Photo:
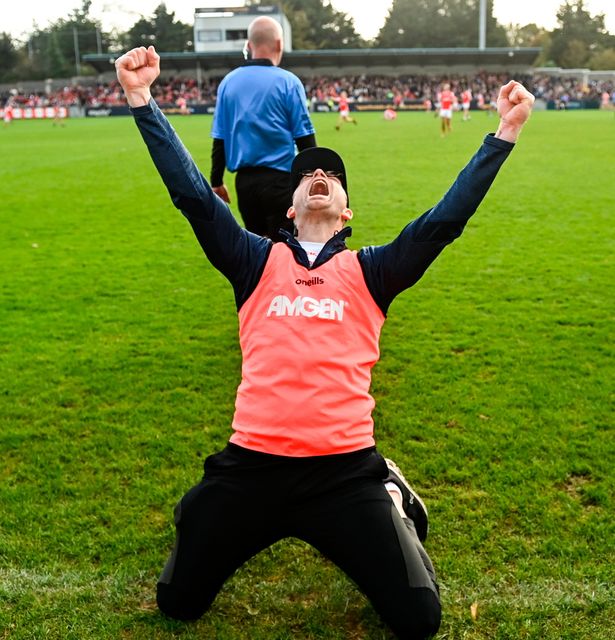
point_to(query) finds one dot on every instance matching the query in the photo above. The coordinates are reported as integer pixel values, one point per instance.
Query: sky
(368, 16)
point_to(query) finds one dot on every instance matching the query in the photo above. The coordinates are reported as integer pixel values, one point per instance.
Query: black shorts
(248, 500)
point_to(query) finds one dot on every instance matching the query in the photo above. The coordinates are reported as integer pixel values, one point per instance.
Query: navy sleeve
(390, 269)
(238, 254)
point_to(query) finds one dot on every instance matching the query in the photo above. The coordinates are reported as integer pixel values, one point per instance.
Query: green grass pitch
(119, 362)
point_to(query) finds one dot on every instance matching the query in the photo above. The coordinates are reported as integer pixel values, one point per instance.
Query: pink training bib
(309, 340)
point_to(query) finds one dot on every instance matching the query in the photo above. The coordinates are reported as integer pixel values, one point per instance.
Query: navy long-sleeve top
(240, 255)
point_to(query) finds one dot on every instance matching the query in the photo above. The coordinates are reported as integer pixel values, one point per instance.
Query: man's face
(320, 191)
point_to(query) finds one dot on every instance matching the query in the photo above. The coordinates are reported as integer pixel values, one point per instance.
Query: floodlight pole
(482, 24)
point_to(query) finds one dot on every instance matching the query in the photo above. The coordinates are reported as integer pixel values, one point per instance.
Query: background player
(466, 100)
(343, 108)
(447, 100)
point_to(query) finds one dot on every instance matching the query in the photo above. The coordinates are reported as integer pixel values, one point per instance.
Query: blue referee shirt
(260, 111)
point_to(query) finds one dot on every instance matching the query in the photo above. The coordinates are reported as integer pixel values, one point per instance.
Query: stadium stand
(397, 91)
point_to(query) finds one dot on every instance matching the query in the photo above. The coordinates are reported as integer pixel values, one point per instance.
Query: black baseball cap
(317, 158)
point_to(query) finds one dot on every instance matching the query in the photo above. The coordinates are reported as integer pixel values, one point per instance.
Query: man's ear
(347, 214)
(290, 214)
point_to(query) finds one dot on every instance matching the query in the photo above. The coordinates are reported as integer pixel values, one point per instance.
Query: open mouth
(319, 187)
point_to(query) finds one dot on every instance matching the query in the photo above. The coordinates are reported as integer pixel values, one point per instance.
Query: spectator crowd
(322, 89)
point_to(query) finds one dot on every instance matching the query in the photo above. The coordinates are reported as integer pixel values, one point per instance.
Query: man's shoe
(413, 506)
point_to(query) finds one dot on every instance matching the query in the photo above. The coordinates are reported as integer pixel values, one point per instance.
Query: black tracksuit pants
(248, 500)
(263, 197)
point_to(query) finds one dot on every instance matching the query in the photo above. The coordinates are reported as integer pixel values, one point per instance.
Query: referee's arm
(218, 163)
(306, 142)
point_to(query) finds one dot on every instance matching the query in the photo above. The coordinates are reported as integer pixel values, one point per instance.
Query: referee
(261, 113)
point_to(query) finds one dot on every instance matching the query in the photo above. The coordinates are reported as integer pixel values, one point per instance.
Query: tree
(530, 35)
(578, 35)
(8, 57)
(574, 55)
(317, 25)
(162, 30)
(56, 51)
(438, 23)
(406, 24)
(603, 60)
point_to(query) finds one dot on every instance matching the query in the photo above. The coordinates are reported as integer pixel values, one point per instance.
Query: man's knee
(178, 604)
(421, 618)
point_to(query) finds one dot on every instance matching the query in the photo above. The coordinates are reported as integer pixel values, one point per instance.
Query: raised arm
(391, 268)
(232, 250)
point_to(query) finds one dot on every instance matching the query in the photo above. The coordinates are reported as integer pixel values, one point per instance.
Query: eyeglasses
(309, 173)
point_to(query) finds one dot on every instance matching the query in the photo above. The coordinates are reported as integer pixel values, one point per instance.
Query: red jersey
(447, 99)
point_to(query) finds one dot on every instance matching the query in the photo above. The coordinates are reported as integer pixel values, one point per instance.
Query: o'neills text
(310, 282)
(307, 307)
